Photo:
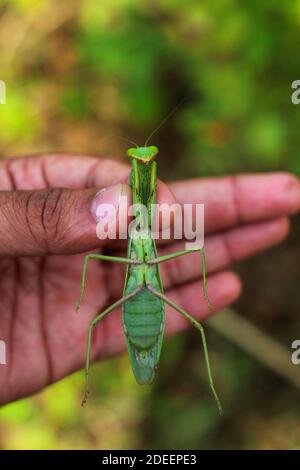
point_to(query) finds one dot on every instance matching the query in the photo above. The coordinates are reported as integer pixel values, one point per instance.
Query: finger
(56, 221)
(221, 251)
(61, 221)
(77, 171)
(61, 170)
(241, 199)
(69, 171)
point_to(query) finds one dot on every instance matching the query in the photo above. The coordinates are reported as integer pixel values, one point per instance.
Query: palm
(46, 339)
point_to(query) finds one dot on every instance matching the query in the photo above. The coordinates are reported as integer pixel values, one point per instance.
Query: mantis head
(143, 154)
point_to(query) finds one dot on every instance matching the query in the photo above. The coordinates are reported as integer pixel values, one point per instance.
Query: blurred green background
(80, 73)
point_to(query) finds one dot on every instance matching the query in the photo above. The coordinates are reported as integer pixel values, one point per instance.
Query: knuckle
(44, 216)
(236, 197)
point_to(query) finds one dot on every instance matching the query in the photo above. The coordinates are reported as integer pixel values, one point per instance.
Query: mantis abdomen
(144, 314)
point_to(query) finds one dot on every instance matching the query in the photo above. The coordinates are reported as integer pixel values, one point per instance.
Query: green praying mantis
(143, 302)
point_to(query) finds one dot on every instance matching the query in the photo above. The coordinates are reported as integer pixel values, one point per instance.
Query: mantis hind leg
(90, 334)
(202, 252)
(200, 328)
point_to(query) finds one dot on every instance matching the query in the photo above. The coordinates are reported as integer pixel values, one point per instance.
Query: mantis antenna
(127, 140)
(173, 111)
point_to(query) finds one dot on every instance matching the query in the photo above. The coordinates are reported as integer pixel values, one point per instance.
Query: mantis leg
(161, 259)
(114, 259)
(200, 328)
(90, 334)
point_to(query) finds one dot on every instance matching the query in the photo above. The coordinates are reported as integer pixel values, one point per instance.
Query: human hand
(44, 232)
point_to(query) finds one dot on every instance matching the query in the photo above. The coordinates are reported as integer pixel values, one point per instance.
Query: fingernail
(292, 193)
(106, 202)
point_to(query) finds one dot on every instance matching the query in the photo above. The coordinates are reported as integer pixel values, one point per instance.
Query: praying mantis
(143, 301)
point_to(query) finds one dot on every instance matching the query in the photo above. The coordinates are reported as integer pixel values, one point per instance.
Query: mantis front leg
(199, 327)
(114, 259)
(161, 259)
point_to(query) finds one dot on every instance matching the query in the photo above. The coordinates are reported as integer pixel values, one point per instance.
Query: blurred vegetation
(81, 73)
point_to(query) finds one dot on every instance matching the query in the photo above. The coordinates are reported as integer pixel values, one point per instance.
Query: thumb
(56, 221)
